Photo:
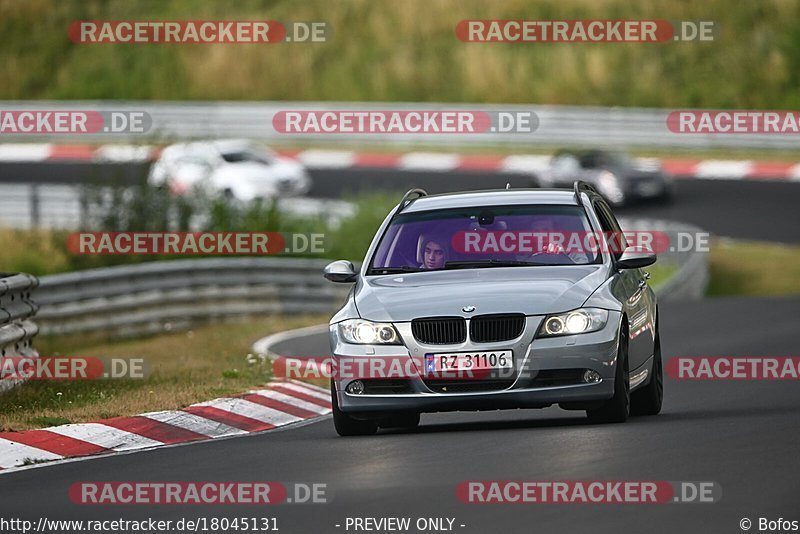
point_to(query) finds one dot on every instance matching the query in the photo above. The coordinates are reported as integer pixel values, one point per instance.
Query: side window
(611, 227)
(604, 222)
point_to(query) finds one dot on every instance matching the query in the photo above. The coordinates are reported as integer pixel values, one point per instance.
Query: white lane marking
(105, 436)
(428, 161)
(123, 153)
(25, 152)
(525, 164)
(311, 386)
(195, 423)
(720, 168)
(302, 389)
(331, 159)
(13, 454)
(294, 401)
(252, 410)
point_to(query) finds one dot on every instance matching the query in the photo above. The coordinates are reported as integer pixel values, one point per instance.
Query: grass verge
(754, 269)
(408, 51)
(184, 368)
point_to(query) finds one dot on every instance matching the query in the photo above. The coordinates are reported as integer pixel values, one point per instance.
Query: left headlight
(362, 332)
(578, 321)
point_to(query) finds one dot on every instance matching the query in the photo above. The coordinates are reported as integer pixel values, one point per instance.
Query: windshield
(484, 237)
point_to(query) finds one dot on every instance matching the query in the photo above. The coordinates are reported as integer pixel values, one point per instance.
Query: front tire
(617, 408)
(648, 400)
(346, 425)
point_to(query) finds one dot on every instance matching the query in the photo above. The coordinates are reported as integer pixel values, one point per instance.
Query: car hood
(528, 290)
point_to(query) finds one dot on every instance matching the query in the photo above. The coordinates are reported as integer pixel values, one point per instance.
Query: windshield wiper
(395, 270)
(487, 263)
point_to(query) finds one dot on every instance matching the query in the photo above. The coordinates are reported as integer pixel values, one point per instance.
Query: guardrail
(692, 276)
(558, 125)
(691, 280)
(173, 295)
(16, 310)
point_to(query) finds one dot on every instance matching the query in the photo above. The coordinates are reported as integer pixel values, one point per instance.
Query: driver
(546, 225)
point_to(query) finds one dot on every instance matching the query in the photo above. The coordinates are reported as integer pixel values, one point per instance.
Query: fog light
(591, 377)
(356, 387)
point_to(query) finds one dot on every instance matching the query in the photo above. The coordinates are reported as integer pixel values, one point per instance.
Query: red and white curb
(521, 163)
(411, 161)
(36, 152)
(279, 404)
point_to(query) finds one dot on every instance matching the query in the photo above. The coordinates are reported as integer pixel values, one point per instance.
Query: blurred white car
(240, 169)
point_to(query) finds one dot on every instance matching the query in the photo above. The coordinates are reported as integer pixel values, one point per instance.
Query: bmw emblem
(468, 309)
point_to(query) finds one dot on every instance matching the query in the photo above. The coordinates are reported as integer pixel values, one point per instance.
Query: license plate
(469, 361)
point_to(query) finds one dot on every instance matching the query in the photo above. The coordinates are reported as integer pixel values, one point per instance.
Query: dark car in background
(619, 178)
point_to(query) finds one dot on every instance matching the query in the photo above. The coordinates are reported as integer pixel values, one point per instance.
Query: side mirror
(635, 258)
(340, 271)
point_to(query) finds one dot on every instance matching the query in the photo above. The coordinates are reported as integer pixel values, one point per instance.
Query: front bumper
(525, 387)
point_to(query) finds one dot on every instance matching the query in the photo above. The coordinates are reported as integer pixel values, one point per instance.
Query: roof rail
(408, 200)
(580, 187)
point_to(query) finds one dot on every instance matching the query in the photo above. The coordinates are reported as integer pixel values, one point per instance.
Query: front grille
(439, 330)
(495, 328)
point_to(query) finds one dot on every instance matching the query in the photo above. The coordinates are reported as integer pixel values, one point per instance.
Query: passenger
(434, 255)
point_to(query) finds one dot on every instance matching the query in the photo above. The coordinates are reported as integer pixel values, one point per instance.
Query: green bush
(143, 209)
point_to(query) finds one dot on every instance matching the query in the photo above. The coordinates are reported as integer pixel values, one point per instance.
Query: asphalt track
(743, 435)
(746, 209)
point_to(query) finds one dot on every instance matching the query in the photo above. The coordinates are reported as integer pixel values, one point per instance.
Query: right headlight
(363, 332)
(578, 321)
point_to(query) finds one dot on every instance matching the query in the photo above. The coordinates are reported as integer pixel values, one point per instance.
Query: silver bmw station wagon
(486, 300)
